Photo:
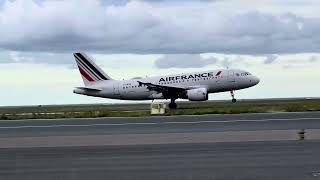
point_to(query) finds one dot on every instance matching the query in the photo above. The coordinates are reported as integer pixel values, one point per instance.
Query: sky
(278, 41)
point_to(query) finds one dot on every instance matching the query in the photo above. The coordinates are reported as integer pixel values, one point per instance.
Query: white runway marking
(155, 123)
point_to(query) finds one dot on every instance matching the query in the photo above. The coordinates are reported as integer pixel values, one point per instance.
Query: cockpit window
(245, 74)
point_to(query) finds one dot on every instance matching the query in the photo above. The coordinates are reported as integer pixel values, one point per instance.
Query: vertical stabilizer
(89, 71)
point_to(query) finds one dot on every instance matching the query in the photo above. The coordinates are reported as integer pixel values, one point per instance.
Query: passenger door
(116, 89)
(231, 79)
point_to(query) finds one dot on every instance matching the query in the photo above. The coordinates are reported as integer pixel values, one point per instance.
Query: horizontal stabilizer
(89, 89)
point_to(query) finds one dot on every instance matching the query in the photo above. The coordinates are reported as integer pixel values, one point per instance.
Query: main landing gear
(172, 104)
(232, 95)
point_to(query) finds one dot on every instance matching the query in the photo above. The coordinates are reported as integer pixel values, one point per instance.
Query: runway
(162, 124)
(244, 146)
(292, 160)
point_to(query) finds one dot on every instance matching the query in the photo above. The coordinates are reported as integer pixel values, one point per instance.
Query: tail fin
(89, 71)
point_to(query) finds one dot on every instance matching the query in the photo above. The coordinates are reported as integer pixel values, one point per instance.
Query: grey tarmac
(244, 146)
(285, 160)
(160, 124)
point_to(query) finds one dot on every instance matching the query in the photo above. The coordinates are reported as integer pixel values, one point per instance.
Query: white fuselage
(214, 82)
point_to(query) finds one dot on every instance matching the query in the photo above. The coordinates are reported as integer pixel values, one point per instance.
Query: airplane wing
(167, 91)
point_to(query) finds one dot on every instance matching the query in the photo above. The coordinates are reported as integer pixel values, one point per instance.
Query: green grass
(138, 110)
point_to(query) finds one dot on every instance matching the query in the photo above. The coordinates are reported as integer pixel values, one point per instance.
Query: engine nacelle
(199, 94)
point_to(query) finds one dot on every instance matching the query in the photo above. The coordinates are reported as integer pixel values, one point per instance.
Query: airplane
(191, 86)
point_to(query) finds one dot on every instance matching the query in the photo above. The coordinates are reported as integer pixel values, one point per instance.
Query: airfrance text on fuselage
(186, 77)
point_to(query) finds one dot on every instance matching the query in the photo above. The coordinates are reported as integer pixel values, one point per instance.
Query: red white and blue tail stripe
(89, 71)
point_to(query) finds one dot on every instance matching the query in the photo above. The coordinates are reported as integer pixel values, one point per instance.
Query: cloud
(149, 27)
(5, 57)
(270, 59)
(183, 61)
(198, 61)
(36, 58)
(313, 59)
(235, 62)
(310, 61)
(227, 63)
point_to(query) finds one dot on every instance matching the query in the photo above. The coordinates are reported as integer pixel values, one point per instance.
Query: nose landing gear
(232, 95)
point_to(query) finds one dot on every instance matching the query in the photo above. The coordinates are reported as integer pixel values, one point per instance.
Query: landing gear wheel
(232, 95)
(173, 105)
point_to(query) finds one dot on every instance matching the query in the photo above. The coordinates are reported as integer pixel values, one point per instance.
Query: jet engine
(199, 94)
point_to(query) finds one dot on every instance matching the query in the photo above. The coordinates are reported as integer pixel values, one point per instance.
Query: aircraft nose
(255, 80)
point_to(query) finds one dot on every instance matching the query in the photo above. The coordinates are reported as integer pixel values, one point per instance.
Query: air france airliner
(192, 86)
